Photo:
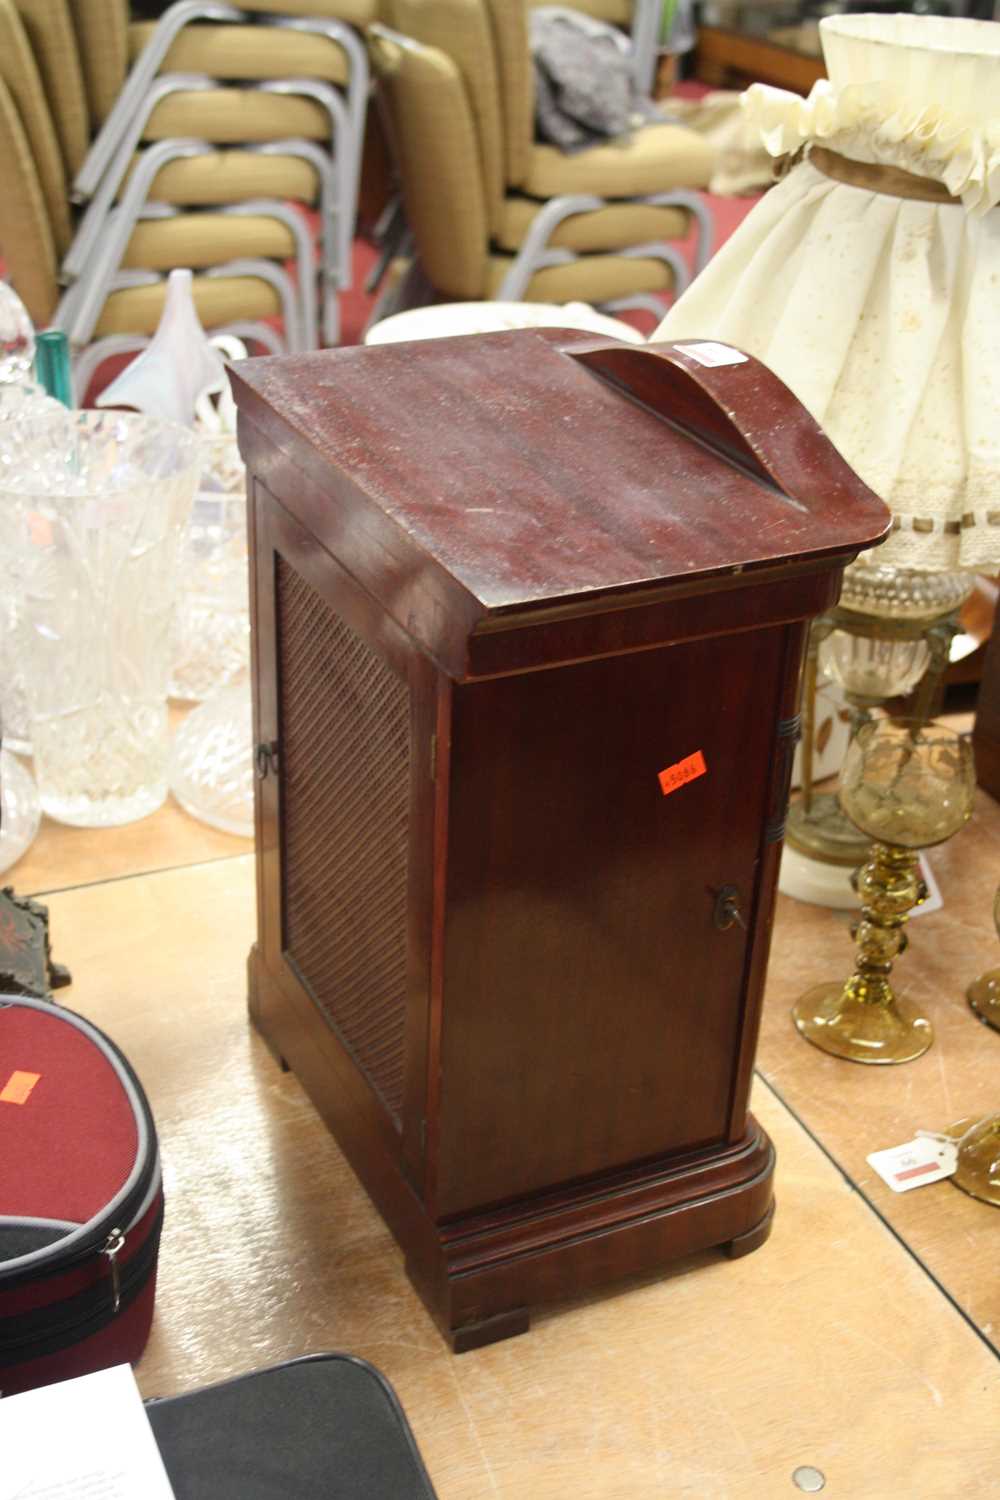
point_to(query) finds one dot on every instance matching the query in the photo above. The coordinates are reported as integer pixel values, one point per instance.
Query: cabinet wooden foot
(743, 1244)
(490, 1331)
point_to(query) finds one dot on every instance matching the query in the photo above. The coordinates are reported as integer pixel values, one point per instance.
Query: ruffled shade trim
(871, 122)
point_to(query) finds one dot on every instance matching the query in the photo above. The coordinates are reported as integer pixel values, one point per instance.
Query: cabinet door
(593, 1011)
(344, 829)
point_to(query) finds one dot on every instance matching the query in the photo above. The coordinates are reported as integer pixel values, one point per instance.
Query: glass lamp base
(860, 1031)
(983, 996)
(978, 1170)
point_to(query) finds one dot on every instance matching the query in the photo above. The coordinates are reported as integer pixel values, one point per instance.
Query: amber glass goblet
(907, 785)
(978, 1170)
(983, 993)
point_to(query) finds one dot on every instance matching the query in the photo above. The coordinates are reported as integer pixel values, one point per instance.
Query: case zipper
(40, 1340)
(113, 1246)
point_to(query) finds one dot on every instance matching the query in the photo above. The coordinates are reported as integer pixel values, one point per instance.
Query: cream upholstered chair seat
(243, 52)
(218, 302)
(206, 239)
(231, 177)
(649, 160)
(598, 279)
(232, 116)
(604, 229)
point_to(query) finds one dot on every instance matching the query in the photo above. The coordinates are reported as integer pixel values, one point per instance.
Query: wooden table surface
(839, 1345)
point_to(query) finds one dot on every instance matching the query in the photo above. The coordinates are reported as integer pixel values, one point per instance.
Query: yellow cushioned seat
(232, 177)
(246, 52)
(237, 116)
(592, 278)
(218, 300)
(655, 159)
(612, 228)
(200, 240)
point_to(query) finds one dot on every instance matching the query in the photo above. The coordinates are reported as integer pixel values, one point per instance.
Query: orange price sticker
(679, 774)
(18, 1087)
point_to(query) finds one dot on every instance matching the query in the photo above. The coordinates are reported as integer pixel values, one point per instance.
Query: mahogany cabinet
(529, 612)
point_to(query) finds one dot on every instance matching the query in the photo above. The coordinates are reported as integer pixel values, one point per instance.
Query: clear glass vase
(210, 642)
(96, 503)
(211, 763)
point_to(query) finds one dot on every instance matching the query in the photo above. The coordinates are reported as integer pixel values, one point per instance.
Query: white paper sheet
(83, 1439)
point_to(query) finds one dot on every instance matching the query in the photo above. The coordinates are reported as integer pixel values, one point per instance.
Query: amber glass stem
(890, 888)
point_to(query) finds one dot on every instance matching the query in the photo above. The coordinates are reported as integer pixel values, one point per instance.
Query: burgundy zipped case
(81, 1199)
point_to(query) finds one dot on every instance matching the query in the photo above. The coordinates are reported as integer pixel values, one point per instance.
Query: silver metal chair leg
(81, 307)
(101, 203)
(358, 83)
(646, 20)
(669, 255)
(140, 77)
(329, 210)
(266, 270)
(255, 333)
(304, 256)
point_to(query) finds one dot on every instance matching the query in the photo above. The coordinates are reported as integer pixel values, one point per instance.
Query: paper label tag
(17, 1089)
(713, 354)
(924, 1159)
(682, 772)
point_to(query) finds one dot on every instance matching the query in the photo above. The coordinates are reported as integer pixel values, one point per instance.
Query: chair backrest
(26, 241)
(461, 29)
(19, 71)
(435, 144)
(509, 19)
(53, 40)
(102, 33)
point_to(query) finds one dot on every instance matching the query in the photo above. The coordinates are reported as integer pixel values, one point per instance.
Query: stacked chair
(495, 215)
(196, 140)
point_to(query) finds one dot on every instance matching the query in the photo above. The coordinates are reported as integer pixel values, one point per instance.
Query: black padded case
(325, 1427)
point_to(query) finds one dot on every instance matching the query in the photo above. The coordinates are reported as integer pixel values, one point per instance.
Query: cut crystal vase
(95, 505)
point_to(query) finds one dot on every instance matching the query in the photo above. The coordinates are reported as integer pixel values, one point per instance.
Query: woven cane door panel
(345, 795)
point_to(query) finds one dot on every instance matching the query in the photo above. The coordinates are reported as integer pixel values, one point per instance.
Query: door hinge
(265, 758)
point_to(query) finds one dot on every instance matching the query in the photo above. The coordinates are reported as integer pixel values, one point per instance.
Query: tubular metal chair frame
(80, 308)
(96, 213)
(646, 15)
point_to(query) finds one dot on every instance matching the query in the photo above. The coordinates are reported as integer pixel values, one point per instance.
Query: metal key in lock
(727, 909)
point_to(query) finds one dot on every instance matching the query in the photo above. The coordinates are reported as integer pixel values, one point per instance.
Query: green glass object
(908, 785)
(52, 367)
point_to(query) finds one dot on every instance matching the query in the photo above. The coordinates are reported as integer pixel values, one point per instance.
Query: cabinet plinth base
(746, 1244)
(482, 1273)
